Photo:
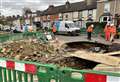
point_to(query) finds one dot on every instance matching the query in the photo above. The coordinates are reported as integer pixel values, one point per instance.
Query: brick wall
(100, 10)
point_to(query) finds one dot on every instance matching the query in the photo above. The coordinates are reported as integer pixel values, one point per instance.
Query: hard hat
(112, 25)
(92, 25)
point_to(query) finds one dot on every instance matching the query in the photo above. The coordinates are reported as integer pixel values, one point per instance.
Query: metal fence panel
(21, 71)
(20, 36)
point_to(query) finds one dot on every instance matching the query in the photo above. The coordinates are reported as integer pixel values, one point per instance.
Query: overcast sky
(10, 7)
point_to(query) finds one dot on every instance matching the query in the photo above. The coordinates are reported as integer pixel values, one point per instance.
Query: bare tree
(26, 10)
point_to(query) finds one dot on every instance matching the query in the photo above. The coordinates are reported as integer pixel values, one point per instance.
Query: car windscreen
(70, 25)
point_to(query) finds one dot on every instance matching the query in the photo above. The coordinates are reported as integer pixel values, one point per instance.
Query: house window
(107, 7)
(66, 16)
(80, 15)
(60, 16)
(109, 19)
(48, 18)
(85, 14)
(94, 14)
(90, 12)
(105, 19)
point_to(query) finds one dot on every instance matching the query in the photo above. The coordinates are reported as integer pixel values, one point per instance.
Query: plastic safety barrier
(15, 71)
(72, 75)
(18, 71)
(20, 36)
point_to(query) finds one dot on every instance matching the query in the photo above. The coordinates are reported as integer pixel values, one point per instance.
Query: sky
(14, 7)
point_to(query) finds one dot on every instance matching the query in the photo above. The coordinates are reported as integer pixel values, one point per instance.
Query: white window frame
(107, 6)
(80, 15)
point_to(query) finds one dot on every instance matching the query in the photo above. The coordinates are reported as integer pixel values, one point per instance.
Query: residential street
(59, 40)
(68, 39)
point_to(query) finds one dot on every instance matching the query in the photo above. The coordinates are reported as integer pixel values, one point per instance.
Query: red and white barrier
(32, 69)
(28, 68)
(2, 63)
(90, 77)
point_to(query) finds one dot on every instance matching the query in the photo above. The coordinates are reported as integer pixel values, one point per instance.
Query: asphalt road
(69, 39)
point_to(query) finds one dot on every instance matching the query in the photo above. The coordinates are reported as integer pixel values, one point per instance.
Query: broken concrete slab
(96, 57)
(103, 67)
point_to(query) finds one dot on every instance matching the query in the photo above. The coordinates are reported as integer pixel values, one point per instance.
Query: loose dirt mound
(32, 50)
(28, 50)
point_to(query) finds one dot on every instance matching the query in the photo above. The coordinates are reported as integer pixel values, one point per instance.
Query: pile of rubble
(33, 50)
(30, 50)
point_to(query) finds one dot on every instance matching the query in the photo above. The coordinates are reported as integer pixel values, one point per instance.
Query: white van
(66, 27)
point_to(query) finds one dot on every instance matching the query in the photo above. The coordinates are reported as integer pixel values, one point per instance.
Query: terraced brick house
(71, 11)
(108, 10)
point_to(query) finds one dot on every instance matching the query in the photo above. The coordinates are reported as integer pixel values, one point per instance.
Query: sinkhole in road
(76, 63)
(79, 63)
(89, 46)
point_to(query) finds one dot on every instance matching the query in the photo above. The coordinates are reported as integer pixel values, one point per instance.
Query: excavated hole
(89, 46)
(76, 63)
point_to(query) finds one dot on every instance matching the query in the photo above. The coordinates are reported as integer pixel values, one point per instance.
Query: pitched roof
(70, 7)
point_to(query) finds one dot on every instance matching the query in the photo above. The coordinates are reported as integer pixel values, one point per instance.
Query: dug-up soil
(32, 50)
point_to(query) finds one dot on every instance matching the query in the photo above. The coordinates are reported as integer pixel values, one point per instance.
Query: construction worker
(89, 31)
(113, 32)
(30, 28)
(54, 29)
(107, 31)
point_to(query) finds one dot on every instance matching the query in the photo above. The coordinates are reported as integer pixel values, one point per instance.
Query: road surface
(69, 39)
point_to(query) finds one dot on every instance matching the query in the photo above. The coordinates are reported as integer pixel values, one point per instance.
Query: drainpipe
(115, 5)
